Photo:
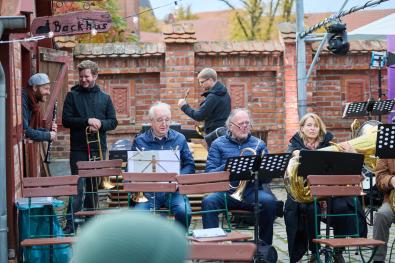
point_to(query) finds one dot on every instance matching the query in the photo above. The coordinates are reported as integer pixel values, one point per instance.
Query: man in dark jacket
(87, 107)
(215, 108)
(161, 137)
(231, 145)
(36, 92)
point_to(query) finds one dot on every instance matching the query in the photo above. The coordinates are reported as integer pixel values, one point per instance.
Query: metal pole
(300, 60)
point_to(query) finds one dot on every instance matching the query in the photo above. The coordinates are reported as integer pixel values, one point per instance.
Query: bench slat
(150, 187)
(100, 172)
(52, 191)
(203, 188)
(323, 190)
(334, 179)
(349, 242)
(232, 236)
(215, 251)
(203, 177)
(47, 241)
(49, 181)
(149, 177)
(99, 164)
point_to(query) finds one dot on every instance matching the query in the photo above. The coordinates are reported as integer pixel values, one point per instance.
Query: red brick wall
(263, 83)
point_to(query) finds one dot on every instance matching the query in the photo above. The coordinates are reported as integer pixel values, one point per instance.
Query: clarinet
(48, 154)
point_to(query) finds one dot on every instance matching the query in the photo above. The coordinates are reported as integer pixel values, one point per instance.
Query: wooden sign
(73, 23)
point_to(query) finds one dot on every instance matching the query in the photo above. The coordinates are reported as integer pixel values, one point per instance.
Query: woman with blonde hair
(299, 217)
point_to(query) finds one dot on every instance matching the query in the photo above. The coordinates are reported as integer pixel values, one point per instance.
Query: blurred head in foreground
(129, 236)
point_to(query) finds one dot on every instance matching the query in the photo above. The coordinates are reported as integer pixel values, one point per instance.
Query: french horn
(364, 143)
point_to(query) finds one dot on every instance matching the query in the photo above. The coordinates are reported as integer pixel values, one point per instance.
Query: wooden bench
(204, 183)
(243, 252)
(325, 186)
(47, 187)
(94, 171)
(149, 182)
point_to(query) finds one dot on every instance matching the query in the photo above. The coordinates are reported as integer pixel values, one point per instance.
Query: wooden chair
(138, 183)
(325, 186)
(92, 172)
(240, 252)
(208, 183)
(44, 231)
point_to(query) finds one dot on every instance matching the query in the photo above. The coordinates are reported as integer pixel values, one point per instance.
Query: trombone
(91, 138)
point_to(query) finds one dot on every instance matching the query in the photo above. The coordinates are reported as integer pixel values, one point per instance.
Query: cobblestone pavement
(280, 237)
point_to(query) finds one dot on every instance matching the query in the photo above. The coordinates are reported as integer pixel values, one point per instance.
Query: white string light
(93, 32)
(35, 38)
(135, 19)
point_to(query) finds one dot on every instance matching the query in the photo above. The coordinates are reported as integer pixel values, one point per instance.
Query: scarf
(34, 106)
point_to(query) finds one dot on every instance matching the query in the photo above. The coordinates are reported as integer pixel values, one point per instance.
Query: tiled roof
(244, 47)
(119, 50)
(287, 32)
(360, 46)
(179, 33)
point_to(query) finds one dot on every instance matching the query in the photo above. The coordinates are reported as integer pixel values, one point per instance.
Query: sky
(310, 6)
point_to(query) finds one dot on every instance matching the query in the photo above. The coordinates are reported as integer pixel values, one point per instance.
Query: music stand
(329, 163)
(385, 142)
(368, 108)
(255, 167)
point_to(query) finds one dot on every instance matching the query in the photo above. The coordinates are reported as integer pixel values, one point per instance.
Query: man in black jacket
(215, 108)
(87, 106)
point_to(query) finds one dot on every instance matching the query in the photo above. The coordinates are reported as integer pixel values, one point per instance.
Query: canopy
(376, 30)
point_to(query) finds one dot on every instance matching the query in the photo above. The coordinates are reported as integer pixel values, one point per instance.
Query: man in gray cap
(37, 91)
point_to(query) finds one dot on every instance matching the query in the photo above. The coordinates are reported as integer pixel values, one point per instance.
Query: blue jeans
(267, 203)
(173, 201)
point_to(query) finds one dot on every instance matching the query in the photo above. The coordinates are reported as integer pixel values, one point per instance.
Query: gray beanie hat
(39, 79)
(130, 236)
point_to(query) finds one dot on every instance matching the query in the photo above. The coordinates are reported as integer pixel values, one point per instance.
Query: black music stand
(255, 167)
(329, 163)
(367, 108)
(385, 143)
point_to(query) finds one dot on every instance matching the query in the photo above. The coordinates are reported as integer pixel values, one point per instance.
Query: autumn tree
(185, 13)
(148, 21)
(256, 19)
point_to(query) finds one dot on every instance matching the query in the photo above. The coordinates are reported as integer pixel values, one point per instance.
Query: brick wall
(265, 83)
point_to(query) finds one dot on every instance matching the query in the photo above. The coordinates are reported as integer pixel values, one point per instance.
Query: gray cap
(39, 79)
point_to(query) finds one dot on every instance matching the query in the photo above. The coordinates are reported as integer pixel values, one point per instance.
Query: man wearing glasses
(231, 145)
(216, 106)
(161, 137)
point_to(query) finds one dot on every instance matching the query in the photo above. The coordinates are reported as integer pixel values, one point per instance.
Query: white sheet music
(161, 161)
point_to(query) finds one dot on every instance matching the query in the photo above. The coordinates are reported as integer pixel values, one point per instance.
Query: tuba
(364, 143)
(238, 194)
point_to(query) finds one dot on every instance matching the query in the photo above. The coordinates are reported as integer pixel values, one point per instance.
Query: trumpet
(238, 194)
(91, 138)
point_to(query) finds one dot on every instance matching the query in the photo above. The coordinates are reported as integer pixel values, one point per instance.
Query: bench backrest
(335, 185)
(221, 251)
(49, 186)
(99, 168)
(149, 182)
(203, 183)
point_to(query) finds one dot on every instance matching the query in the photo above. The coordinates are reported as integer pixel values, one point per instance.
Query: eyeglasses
(202, 82)
(160, 120)
(242, 124)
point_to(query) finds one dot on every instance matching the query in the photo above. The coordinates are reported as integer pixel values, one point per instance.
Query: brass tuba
(238, 194)
(364, 143)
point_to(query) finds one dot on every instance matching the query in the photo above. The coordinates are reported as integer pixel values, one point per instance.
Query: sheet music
(161, 161)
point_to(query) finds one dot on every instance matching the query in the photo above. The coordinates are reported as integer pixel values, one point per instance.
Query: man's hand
(53, 135)
(92, 129)
(181, 102)
(95, 123)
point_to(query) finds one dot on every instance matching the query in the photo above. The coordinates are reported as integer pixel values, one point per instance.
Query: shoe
(68, 229)
(338, 258)
(313, 258)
